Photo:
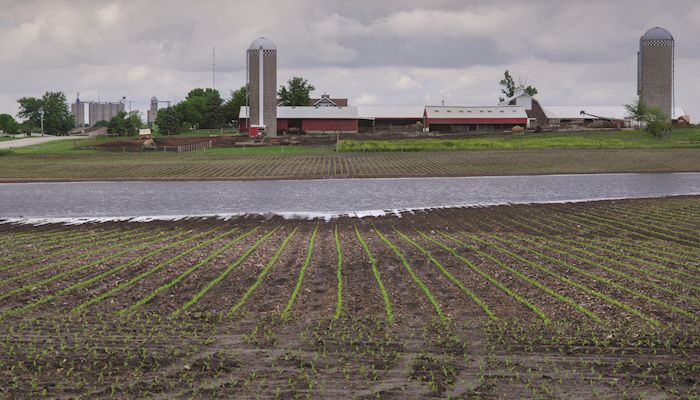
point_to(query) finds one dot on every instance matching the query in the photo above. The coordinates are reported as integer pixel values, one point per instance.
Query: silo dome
(263, 42)
(657, 34)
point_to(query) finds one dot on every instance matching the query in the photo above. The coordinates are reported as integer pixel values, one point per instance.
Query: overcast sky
(381, 52)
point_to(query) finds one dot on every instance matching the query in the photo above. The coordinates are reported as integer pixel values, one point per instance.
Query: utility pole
(213, 67)
(42, 121)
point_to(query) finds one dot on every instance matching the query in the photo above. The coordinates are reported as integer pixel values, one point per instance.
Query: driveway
(13, 144)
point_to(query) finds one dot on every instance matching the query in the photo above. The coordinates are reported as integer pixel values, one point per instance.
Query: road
(13, 144)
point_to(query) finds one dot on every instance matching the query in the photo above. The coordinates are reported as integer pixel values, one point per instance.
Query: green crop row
(91, 280)
(413, 275)
(263, 273)
(339, 275)
(490, 279)
(525, 278)
(144, 300)
(476, 299)
(377, 277)
(300, 278)
(223, 275)
(607, 281)
(53, 278)
(62, 251)
(151, 271)
(30, 273)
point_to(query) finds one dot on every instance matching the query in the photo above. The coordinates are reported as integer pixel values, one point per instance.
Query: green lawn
(681, 138)
(77, 146)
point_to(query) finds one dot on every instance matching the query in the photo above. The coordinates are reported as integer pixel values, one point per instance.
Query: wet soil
(46, 349)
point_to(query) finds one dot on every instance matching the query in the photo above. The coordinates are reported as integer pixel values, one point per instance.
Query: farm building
(372, 119)
(464, 119)
(533, 109)
(573, 116)
(310, 119)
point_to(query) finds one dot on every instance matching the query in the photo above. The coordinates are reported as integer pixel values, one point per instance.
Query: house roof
(309, 112)
(486, 112)
(386, 112)
(519, 92)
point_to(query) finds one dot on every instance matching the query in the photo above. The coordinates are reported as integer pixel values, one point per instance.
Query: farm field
(581, 300)
(321, 162)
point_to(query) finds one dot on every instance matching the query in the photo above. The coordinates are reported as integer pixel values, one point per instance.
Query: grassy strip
(606, 281)
(527, 279)
(131, 309)
(491, 279)
(61, 275)
(223, 275)
(685, 138)
(150, 272)
(60, 252)
(476, 299)
(339, 275)
(413, 275)
(94, 279)
(300, 278)
(69, 260)
(263, 273)
(377, 277)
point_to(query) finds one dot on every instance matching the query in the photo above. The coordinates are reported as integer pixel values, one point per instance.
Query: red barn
(310, 119)
(463, 119)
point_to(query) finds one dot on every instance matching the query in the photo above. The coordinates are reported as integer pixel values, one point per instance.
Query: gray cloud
(382, 52)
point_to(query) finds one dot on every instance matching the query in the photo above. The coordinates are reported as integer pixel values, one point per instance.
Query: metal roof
(309, 112)
(396, 112)
(657, 34)
(614, 112)
(263, 42)
(475, 112)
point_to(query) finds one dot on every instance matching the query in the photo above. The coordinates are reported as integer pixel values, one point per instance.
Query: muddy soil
(474, 315)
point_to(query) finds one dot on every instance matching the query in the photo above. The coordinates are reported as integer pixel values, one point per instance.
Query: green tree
(125, 124)
(168, 121)
(213, 111)
(8, 124)
(232, 107)
(508, 87)
(57, 117)
(101, 124)
(296, 93)
(653, 118)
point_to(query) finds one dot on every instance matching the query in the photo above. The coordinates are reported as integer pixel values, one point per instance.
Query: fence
(195, 146)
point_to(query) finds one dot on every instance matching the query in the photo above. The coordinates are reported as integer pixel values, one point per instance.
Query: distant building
(104, 111)
(465, 119)
(152, 111)
(655, 70)
(78, 111)
(327, 101)
(530, 104)
(308, 119)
